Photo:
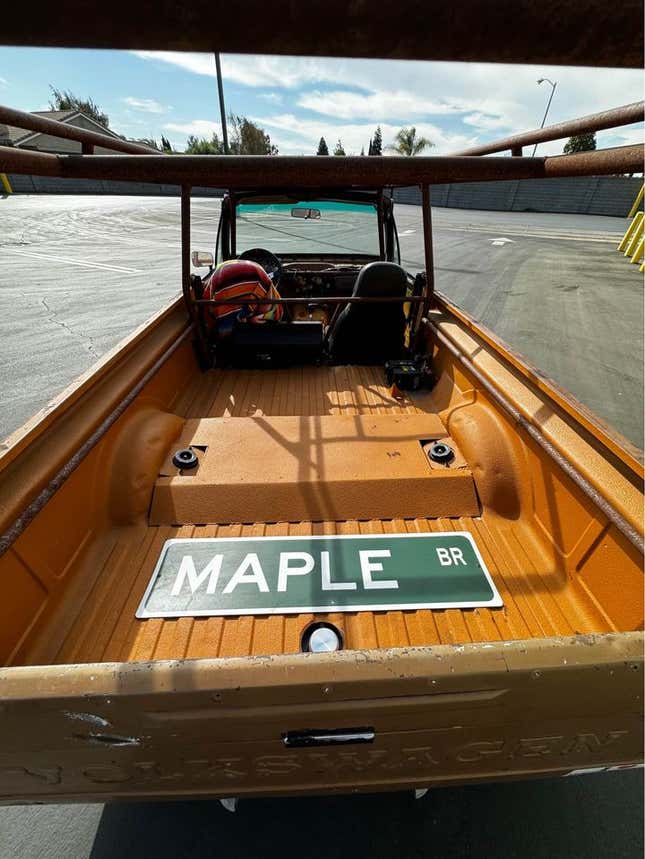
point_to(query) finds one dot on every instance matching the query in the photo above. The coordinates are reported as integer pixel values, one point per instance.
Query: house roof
(60, 115)
(18, 136)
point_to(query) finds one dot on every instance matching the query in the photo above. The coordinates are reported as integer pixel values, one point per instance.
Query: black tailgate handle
(323, 737)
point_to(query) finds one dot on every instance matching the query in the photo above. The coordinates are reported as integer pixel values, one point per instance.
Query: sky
(297, 99)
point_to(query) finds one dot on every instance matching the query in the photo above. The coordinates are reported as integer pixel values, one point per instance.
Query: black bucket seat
(371, 333)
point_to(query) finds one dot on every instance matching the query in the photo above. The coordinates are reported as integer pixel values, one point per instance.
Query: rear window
(308, 227)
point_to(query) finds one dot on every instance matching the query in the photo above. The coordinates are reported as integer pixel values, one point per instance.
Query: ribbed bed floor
(100, 623)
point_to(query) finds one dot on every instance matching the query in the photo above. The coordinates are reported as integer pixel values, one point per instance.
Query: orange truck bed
(100, 703)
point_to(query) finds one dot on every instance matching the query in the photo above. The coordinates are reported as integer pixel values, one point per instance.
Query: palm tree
(406, 142)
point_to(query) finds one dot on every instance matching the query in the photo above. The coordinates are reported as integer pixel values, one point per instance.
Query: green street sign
(294, 575)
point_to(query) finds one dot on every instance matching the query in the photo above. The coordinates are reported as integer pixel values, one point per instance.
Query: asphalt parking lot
(589, 816)
(79, 273)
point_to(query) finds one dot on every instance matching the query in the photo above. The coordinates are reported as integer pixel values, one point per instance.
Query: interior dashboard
(309, 280)
(314, 280)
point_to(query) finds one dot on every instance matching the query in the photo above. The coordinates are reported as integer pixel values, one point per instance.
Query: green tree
(339, 150)
(376, 147)
(202, 146)
(407, 143)
(580, 143)
(247, 138)
(322, 147)
(362, 150)
(165, 145)
(66, 100)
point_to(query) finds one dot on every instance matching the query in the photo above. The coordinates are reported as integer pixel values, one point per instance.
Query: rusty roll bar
(250, 171)
(315, 299)
(625, 115)
(189, 301)
(89, 139)
(428, 249)
(599, 162)
(552, 32)
(614, 516)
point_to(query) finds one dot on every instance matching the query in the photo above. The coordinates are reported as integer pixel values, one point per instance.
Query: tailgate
(319, 723)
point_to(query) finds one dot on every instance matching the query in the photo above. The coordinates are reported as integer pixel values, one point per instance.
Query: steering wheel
(269, 262)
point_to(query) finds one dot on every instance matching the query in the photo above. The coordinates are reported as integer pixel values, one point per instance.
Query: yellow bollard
(635, 239)
(638, 253)
(637, 202)
(630, 231)
(4, 180)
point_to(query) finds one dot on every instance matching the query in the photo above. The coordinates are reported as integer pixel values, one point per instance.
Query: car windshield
(311, 227)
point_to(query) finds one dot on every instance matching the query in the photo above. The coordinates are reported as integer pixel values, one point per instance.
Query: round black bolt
(441, 452)
(185, 458)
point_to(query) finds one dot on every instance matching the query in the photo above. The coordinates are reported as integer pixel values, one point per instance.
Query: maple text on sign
(291, 564)
(268, 575)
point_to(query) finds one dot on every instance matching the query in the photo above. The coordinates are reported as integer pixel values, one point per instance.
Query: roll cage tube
(392, 249)
(224, 228)
(388, 236)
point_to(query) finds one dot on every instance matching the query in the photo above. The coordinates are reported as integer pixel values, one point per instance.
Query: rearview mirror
(200, 259)
(306, 214)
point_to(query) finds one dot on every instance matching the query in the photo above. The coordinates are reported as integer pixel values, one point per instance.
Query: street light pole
(222, 109)
(546, 112)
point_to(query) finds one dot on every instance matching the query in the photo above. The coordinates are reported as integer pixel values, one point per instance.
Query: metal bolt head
(185, 459)
(322, 638)
(441, 452)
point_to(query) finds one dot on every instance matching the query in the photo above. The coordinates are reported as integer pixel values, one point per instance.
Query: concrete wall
(582, 195)
(53, 185)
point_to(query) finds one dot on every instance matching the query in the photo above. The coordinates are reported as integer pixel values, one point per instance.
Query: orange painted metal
(312, 468)
(571, 585)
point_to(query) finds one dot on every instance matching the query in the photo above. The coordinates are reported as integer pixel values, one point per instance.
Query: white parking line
(563, 237)
(50, 258)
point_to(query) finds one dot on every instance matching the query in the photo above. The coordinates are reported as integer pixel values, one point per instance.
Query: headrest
(381, 279)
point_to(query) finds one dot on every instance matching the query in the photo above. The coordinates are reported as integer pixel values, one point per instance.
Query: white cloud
(271, 97)
(287, 72)
(621, 136)
(397, 104)
(199, 64)
(471, 86)
(4, 82)
(250, 70)
(198, 127)
(294, 135)
(485, 122)
(492, 97)
(147, 105)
